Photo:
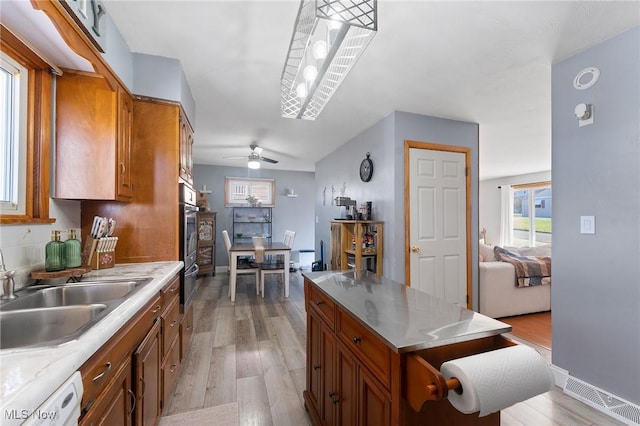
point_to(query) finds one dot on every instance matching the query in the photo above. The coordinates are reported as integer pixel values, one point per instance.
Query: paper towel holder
(437, 388)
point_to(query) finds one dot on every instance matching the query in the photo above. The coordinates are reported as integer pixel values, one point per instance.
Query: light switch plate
(587, 224)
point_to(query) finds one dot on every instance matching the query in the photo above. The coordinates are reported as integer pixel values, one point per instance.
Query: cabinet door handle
(143, 388)
(173, 323)
(188, 327)
(133, 401)
(334, 397)
(174, 289)
(122, 169)
(319, 302)
(107, 367)
(316, 366)
(357, 340)
(155, 311)
(173, 367)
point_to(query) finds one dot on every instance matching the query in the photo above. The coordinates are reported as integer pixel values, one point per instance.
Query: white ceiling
(477, 61)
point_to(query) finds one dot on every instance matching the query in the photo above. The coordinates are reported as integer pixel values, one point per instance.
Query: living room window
(531, 214)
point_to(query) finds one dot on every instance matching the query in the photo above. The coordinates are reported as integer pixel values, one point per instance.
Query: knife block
(103, 260)
(97, 259)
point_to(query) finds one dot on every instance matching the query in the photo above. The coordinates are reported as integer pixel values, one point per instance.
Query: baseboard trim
(559, 375)
(222, 269)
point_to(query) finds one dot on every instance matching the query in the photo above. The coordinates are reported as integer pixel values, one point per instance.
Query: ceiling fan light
(253, 164)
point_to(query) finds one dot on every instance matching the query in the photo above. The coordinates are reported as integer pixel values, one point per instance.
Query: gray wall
(148, 75)
(341, 169)
(385, 141)
(596, 171)
(163, 78)
(296, 213)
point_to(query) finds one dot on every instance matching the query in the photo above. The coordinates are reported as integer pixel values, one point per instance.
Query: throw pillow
(486, 253)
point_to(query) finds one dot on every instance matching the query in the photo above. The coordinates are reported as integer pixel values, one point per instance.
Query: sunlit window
(13, 106)
(532, 215)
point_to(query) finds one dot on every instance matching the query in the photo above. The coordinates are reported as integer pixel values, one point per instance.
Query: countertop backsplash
(23, 244)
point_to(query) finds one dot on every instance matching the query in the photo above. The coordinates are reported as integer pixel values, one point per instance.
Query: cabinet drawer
(170, 325)
(170, 371)
(114, 406)
(323, 305)
(367, 347)
(171, 291)
(186, 331)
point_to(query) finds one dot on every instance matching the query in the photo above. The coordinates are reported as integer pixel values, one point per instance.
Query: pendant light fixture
(328, 38)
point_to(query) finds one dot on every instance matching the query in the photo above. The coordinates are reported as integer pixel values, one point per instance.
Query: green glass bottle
(72, 250)
(54, 255)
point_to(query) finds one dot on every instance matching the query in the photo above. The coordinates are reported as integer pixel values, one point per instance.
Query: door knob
(415, 249)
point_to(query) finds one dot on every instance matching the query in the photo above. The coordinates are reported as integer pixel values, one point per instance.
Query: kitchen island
(29, 375)
(374, 345)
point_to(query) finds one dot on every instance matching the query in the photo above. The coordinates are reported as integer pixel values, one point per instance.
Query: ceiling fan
(255, 157)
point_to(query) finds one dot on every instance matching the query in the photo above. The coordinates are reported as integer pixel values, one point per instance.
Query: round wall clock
(366, 169)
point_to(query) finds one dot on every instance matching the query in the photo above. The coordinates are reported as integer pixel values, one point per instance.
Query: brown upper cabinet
(93, 139)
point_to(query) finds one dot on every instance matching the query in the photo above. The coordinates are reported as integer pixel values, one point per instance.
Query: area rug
(221, 415)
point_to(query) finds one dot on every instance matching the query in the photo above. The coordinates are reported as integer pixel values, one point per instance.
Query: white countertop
(29, 376)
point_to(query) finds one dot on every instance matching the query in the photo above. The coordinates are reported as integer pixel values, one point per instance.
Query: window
(532, 215)
(26, 133)
(13, 112)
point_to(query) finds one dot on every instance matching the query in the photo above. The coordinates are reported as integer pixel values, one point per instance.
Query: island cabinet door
(345, 397)
(314, 366)
(375, 403)
(328, 389)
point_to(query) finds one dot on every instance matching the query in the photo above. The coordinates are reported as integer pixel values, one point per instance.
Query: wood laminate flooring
(535, 328)
(246, 364)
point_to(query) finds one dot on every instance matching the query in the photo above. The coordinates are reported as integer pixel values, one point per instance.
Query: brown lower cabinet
(116, 406)
(131, 377)
(147, 373)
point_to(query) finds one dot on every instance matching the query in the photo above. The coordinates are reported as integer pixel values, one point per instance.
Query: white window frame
(531, 188)
(15, 126)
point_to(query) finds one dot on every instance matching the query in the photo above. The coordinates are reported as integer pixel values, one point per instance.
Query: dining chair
(277, 266)
(244, 267)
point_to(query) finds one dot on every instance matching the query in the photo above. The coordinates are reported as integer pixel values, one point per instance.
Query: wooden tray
(72, 274)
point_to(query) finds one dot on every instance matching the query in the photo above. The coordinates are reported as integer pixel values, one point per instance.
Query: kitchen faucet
(8, 284)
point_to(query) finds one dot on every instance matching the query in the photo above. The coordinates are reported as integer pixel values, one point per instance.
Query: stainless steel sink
(29, 327)
(50, 315)
(72, 294)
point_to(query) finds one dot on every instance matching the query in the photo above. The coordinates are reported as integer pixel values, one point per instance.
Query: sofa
(498, 295)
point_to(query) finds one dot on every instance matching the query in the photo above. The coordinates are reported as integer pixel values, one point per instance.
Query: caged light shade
(328, 38)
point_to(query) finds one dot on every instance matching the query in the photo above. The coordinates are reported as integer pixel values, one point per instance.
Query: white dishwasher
(62, 407)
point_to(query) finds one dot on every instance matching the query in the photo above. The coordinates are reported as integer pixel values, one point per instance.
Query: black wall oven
(188, 245)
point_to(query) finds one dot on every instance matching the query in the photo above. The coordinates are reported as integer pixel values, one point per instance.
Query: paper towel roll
(497, 379)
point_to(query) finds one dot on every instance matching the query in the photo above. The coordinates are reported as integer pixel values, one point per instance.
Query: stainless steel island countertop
(405, 318)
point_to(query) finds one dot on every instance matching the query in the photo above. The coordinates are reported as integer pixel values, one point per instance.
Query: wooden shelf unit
(357, 244)
(206, 242)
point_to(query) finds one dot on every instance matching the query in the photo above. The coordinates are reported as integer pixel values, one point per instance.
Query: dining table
(239, 250)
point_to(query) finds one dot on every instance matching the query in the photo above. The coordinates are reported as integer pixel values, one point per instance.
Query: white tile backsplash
(23, 244)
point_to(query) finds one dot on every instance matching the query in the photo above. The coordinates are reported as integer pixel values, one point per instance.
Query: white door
(438, 225)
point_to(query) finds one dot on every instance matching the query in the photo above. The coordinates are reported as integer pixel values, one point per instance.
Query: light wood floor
(246, 364)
